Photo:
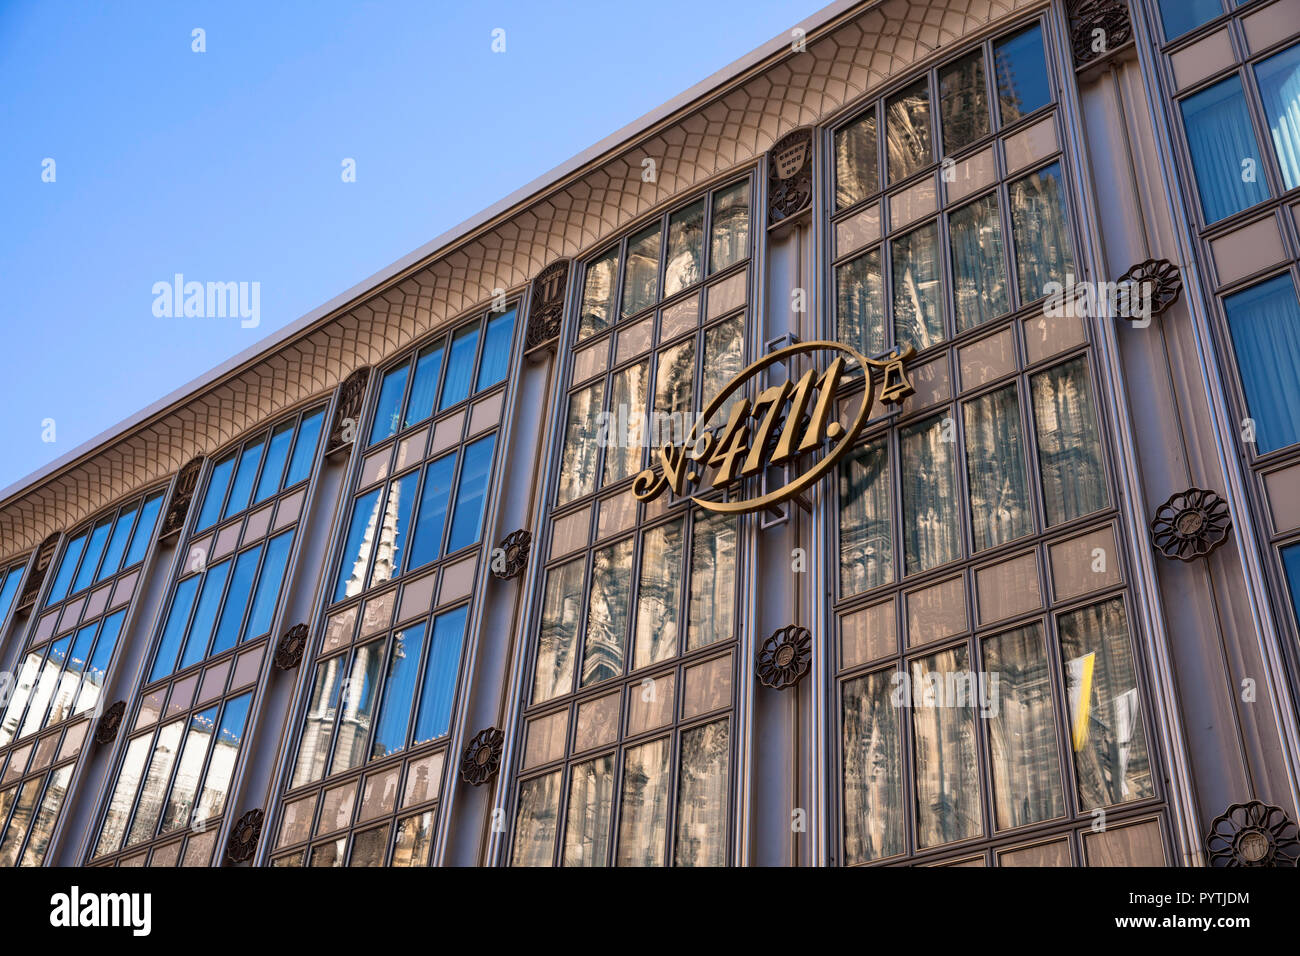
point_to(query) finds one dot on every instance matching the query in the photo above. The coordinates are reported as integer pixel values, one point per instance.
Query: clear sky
(227, 165)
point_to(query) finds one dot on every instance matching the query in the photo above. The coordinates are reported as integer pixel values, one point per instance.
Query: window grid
(33, 786)
(10, 578)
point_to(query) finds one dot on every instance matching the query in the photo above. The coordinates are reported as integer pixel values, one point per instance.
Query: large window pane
(1183, 16)
(424, 387)
(357, 546)
(236, 603)
(607, 614)
(154, 788)
(963, 103)
(873, 776)
(578, 470)
(43, 827)
(1022, 74)
(318, 727)
(995, 467)
(180, 805)
(67, 568)
(304, 448)
(119, 808)
(24, 807)
(205, 615)
(399, 692)
(674, 394)
(724, 357)
(979, 275)
(857, 164)
(641, 275)
(277, 453)
(1022, 729)
(94, 551)
(1291, 563)
(439, 683)
(388, 410)
(907, 130)
(471, 494)
(426, 545)
(591, 808)
(1265, 324)
(556, 644)
(241, 489)
(627, 403)
(866, 513)
(269, 580)
(535, 822)
(178, 619)
(1069, 449)
(97, 669)
(598, 295)
(393, 529)
(143, 533)
(943, 727)
(1279, 89)
(860, 307)
(1107, 736)
(1044, 251)
(643, 816)
(918, 294)
(460, 367)
(216, 493)
(495, 362)
(1225, 153)
(658, 594)
(357, 706)
(730, 241)
(216, 783)
(713, 581)
(702, 798)
(930, 532)
(685, 248)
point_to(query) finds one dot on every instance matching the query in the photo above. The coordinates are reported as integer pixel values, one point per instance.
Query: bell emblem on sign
(896, 386)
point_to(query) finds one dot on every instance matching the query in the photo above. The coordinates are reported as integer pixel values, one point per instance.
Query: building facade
(888, 452)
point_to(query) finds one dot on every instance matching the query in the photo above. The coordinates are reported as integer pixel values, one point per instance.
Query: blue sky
(226, 165)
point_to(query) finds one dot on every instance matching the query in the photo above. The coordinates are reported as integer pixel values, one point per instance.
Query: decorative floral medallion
(1253, 834)
(288, 653)
(482, 757)
(1160, 279)
(244, 836)
(516, 547)
(109, 722)
(1097, 27)
(1190, 524)
(785, 657)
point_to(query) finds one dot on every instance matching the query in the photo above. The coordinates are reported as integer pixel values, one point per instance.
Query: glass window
(598, 295)
(1264, 322)
(713, 581)
(1044, 250)
(866, 511)
(995, 468)
(604, 645)
(943, 728)
(277, 453)
(561, 612)
(67, 568)
(205, 614)
(859, 295)
(357, 545)
(1183, 16)
(388, 410)
(1021, 68)
(144, 529)
(399, 692)
(930, 531)
(1225, 154)
(1279, 89)
(658, 595)
(702, 797)
(460, 367)
(304, 448)
(94, 551)
(730, 240)
(218, 482)
(627, 403)
(426, 545)
(393, 526)
(357, 707)
(643, 826)
(439, 684)
(682, 267)
(496, 350)
(1069, 448)
(918, 295)
(873, 773)
(641, 277)
(9, 582)
(907, 130)
(978, 271)
(578, 474)
(236, 603)
(536, 821)
(116, 546)
(591, 809)
(857, 164)
(242, 487)
(178, 619)
(1291, 565)
(471, 494)
(269, 581)
(963, 104)
(424, 389)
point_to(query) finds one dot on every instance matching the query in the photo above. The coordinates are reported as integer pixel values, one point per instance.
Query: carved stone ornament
(546, 305)
(347, 410)
(785, 657)
(516, 545)
(36, 576)
(186, 482)
(1097, 29)
(789, 176)
(482, 757)
(1190, 524)
(109, 722)
(288, 653)
(244, 835)
(1253, 834)
(1157, 278)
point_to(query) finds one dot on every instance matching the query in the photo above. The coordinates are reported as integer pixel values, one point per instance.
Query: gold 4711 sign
(783, 423)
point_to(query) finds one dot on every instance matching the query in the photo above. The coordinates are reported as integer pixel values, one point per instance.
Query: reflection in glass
(1264, 322)
(598, 295)
(399, 692)
(578, 470)
(178, 620)
(929, 476)
(496, 350)
(186, 785)
(304, 448)
(943, 727)
(995, 468)
(1022, 730)
(702, 797)
(674, 394)
(857, 165)
(43, 827)
(277, 453)
(426, 545)
(112, 555)
(1183, 16)
(357, 707)
(1044, 252)
(438, 688)
(471, 495)
(268, 586)
(866, 536)
(241, 586)
(318, 726)
(94, 551)
(414, 840)
(424, 388)
(1069, 450)
(627, 403)
(460, 367)
(860, 308)
(154, 788)
(539, 811)
(24, 807)
(641, 275)
(963, 106)
(556, 643)
(119, 808)
(713, 580)
(658, 594)
(591, 808)
(218, 482)
(607, 614)
(907, 126)
(1279, 89)
(873, 777)
(67, 567)
(643, 815)
(241, 489)
(22, 689)
(388, 410)
(370, 847)
(979, 275)
(205, 615)
(1022, 74)
(918, 310)
(685, 248)
(221, 767)
(730, 241)
(1106, 731)
(724, 346)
